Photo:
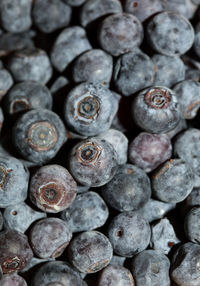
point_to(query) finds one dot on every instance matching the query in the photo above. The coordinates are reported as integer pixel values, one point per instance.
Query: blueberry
(154, 210)
(82, 189)
(52, 188)
(188, 95)
(1, 118)
(119, 142)
(156, 109)
(191, 201)
(187, 147)
(132, 72)
(10, 42)
(93, 162)
(129, 189)
(191, 225)
(74, 3)
(16, 15)
(173, 181)
(97, 9)
(120, 33)
(192, 74)
(90, 108)
(148, 151)
(88, 212)
(163, 236)
(142, 9)
(170, 33)
(150, 267)
(15, 251)
(70, 43)
(20, 216)
(114, 275)
(30, 64)
(185, 265)
(90, 251)
(1, 221)
(6, 82)
(184, 7)
(169, 70)
(57, 15)
(117, 260)
(14, 178)
(38, 135)
(49, 237)
(93, 65)
(58, 84)
(12, 280)
(129, 234)
(28, 95)
(56, 273)
(33, 263)
(182, 125)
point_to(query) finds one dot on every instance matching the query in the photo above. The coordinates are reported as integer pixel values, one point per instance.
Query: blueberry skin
(129, 234)
(147, 151)
(14, 181)
(56, 273)
(74, 3)
(57, 15)
(163, 236)
(1, 118)
(16, 16)
(150, 267)
(185, 265)
(187, 147)
(89, 108)
(120, 33)
(49, 237)
(20, 216)
(191, 225)
(173, 181)
(87, 212)
(115, 275)
(169, 70)
(196, 44)
(192, 74)
(28, 95)
(52, 188)
(129, 189)
(117, 260)
(90, 251)
(13, 280)
(170, 33)
(10, 42)
(58, 84)
(182, 125)
(154, 210)
(188, 95)
(184, 7)
(142, 9)
(133, 71)
(93, 162)
(193, 200)
(70, 43)
(119, 142)
(94, 65)
(156, 109)
(6, 82)
(28, 129)
(15, 251)
(30, 64)
(95, 9)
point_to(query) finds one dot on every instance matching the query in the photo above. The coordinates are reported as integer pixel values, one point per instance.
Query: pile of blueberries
(100, 143)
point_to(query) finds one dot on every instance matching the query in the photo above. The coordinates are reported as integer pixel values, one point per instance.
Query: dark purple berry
(49, 237)
(173, 181)
(148, 151)
(170, 33)
(120, 33)
(87, 212)
(12, 280)
(129, 234)
(15, 251)
(129, 189)
(90, 251)
(89, 108)
(156, 109)
(52, 188)
(38, 135)
(114, 275)
(93, 162)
